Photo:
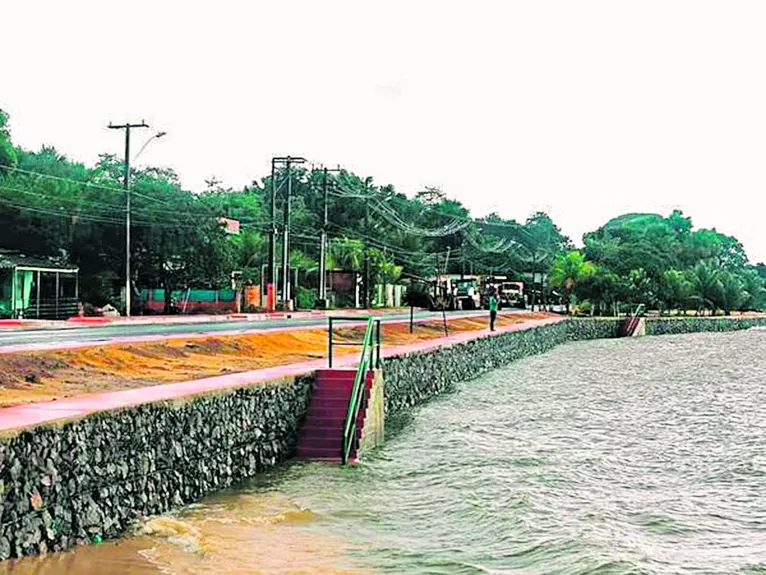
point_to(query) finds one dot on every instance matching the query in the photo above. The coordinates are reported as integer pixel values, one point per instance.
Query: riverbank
(91, 477)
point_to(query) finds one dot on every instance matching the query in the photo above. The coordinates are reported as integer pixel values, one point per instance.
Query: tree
(8, 155)
(704, 280)
(675, 289)
(755, 289)
(346, 254)
(640, 288)
(633, 241)
(731, 293)
(603, 289)
(569, 269)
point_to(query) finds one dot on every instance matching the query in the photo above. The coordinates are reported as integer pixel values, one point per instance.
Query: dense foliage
(51, 205)
(663, 263)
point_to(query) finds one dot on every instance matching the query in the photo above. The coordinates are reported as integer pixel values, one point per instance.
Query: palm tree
(755, 289)
(675, 289)
(569, 269)
(346, 254)
(705, 282)
(731, 293)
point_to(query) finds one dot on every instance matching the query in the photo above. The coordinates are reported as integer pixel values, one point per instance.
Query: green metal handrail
(357, 392)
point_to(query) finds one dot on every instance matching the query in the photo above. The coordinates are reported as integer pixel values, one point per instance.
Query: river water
(617, 456)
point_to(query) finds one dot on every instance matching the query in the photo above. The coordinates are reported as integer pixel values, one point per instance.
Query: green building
(39, 288)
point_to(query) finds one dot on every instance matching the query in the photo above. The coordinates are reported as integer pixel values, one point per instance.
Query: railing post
(329, 343)
(372, 348)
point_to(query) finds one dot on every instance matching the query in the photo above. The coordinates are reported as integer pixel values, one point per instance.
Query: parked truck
(453, 292)
(512, 294)
(467, 293)
(509, 293)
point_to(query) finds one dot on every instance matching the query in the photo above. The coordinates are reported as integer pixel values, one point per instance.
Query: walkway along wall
(91, 478)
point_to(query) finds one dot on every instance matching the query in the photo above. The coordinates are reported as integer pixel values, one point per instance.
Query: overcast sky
(583, 109)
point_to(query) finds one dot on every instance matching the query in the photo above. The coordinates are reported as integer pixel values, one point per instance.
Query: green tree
(8, 154)
(346, 254)
(755, 289)
(569, 269)
(675, 289)
(705, 283)
(731, 293)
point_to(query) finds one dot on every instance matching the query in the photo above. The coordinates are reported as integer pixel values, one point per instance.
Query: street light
(128, 287)
(126, 184)
(149, 140)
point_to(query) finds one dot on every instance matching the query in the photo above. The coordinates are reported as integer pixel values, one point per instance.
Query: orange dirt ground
(44, 376)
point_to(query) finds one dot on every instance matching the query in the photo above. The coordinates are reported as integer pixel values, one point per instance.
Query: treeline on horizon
(53, 206)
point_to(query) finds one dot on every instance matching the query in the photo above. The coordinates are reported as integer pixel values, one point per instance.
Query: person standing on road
(492, 309)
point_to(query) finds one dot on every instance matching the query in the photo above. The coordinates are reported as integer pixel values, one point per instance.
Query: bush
(305, 298)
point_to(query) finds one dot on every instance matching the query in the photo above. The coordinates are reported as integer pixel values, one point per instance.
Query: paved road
(19, 340)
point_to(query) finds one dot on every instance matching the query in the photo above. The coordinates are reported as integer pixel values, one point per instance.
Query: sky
(585, 110)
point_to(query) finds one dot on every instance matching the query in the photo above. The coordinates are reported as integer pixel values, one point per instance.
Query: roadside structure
(35, 287)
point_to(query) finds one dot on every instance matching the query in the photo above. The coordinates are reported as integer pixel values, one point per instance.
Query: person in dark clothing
(492, 309)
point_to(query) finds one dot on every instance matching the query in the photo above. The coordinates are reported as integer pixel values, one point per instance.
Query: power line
(67, 213)
(112, 189)
(85, 202)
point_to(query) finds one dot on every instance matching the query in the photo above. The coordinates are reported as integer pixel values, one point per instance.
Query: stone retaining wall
(691, 324)
(92, 478)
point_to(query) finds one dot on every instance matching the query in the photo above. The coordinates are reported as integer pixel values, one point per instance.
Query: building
(35, 287)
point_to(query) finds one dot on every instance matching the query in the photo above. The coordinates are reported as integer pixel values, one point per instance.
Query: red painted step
(330, 402)
(323, 454)
(321, 435)
(326, 393)
(313, 432)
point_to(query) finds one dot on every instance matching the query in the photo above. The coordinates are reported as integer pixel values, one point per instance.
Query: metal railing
(331, 344)
(368, 360)
(357, 391)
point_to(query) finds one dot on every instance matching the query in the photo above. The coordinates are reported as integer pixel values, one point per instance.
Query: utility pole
(286, 239)
(272, 280)
(323, 239)
(367, 303)
(287, 162)
(126, 184)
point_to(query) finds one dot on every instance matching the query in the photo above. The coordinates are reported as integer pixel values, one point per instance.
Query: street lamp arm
(156, 136)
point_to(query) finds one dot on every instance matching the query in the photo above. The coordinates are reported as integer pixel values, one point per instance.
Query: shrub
(305, 298)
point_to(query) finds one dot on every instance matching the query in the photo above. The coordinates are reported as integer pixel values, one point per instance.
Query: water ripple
(614, 457)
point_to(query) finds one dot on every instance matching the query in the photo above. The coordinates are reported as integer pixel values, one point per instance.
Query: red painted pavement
(29, 415)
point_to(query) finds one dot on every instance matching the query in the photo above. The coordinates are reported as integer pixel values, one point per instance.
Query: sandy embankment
(44, 376)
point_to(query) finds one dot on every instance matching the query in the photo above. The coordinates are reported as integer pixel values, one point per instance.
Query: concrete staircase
(321, 435)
